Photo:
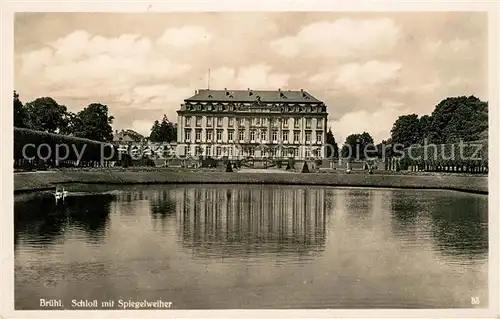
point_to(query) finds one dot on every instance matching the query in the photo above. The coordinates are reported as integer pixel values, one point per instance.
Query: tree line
(93, 122)
(454, 119)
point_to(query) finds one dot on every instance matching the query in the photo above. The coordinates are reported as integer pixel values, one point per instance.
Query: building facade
(248, 123)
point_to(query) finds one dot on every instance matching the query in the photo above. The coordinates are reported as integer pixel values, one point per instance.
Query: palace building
(251, 123)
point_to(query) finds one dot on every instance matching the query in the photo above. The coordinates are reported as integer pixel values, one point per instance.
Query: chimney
(302, 90)
(279, 90)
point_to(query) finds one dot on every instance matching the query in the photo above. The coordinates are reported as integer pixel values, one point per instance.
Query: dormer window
(210, 96)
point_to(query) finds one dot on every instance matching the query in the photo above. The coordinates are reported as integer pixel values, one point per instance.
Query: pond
(252, 246)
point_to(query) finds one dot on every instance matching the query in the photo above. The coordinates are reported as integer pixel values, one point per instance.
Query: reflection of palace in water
(222, 220)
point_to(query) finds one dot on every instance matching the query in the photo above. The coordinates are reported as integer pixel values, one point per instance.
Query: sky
(368, 68)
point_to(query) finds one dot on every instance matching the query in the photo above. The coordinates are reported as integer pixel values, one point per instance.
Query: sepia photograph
(246, 160)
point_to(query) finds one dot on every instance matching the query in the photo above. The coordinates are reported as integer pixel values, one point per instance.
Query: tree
(164, 131)
(331, 152)
(458, 118)
(425, 124)
(384, 148)
(93, 123)
(356, 145)
(406, 130)
(45, 114)
(19, 112)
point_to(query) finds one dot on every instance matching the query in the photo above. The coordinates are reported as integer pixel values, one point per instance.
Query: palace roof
(248, 95)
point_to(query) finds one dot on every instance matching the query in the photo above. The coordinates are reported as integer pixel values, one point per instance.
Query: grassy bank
(24, 182)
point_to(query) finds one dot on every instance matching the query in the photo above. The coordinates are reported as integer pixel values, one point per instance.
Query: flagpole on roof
(208, 79)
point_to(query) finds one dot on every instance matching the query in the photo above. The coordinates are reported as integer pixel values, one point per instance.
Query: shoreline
(44, 181)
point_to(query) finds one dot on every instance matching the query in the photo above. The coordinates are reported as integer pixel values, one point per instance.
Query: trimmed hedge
(43, 147)
(469, 156)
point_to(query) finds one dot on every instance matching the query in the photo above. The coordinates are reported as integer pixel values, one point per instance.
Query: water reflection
(43, 221)
(256, 220)
(458, 224)
(235, 246)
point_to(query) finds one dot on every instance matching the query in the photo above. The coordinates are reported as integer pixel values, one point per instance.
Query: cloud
(258, 76)
(359, 75)
(362, 121)
(340, 38)
(154, 96)
(82, 64)
(426, 87)
(184, 37)
(456, 48)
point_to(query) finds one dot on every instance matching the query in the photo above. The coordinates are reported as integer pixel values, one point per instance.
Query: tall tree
(356, 145)
(45, 114)
(164, 131)
(457, 118)
(425, 124)
(19, 112)
(333, 151)
(94, 123)
(406, 130)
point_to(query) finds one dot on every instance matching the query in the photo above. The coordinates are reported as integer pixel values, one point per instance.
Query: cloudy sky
(369, 68)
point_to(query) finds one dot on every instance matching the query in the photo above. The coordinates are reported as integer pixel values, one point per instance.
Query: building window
(210, 121)
(296, 152)
(296, 122)
(285, 136)
(319, 123)
(198, 151)
(240, 121)
(198, 121)
(219, 151)
(187, 135)
(275, 136)
(263, 135)
(308, 152)
(285, 122)
(319, 136)
(242, 135)
(231, 122)
(317, 152)
(219, 121)
(264, 122)
(308, 136)
(273, 152)
(308, 123)
(230, 151)
(252, 135)
(219, 135)
(252, 151)
(209, 135)
(188, 120)
(187, 150)
(230, 135)
(296, 136)
(198, 135)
